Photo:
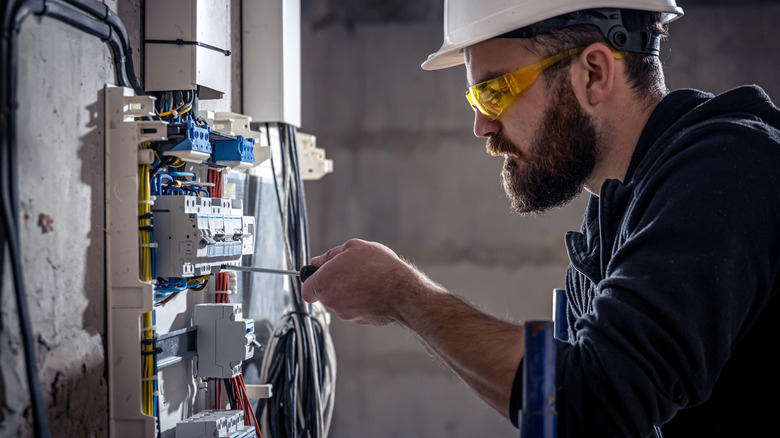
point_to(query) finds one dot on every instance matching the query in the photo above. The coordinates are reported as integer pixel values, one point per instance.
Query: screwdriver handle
(306, 272)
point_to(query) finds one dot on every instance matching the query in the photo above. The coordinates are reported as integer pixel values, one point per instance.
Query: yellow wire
(168, 113)
(144, 194)
(148, 368)
(186, 109)
(144, 190)
(145, 236)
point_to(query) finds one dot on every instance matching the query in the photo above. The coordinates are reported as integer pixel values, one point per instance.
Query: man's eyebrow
(486, 76)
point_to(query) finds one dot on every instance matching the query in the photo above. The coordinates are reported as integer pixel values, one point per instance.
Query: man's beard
(562, 156)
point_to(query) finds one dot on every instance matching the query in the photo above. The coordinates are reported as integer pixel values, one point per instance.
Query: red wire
(249, 405)
(239, 399)
(219, 394)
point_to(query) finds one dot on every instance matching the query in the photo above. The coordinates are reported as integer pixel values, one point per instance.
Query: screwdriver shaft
(265, 270)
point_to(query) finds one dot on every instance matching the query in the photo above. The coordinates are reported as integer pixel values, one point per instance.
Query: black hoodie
(673, 281)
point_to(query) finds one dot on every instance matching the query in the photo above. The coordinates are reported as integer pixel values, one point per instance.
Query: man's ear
(593, 75)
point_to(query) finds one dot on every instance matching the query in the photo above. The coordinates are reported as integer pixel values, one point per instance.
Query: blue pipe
(538, 417)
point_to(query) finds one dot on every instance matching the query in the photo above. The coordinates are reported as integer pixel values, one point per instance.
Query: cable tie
(146, 201)
(146, 228)
(146, 216)
(146, 379)
(157, 350)
(181, 42)
(148, 245)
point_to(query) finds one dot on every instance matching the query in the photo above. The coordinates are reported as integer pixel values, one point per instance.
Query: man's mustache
(497, 145)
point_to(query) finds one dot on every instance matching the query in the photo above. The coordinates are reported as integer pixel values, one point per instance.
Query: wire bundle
(149, 352)
(176, 106)
(299, 361)
(148, 252)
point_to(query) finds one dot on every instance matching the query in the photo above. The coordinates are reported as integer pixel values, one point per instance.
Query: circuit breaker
(200, 234)
(225, 339)
(215, 424)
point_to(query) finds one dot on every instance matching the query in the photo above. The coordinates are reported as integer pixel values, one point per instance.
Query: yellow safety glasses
(491, 97)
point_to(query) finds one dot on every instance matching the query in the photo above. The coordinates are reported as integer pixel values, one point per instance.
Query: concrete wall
(409, 173)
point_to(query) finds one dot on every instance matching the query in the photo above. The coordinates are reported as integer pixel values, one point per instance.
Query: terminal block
(225, 339)
(215, 424)
(188, 142)
(195, 235)
(230, 123)
(237, 153)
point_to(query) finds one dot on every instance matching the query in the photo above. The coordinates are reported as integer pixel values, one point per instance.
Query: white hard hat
(468, 22)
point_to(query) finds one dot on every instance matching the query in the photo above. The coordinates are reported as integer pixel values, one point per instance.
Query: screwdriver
(303, 274)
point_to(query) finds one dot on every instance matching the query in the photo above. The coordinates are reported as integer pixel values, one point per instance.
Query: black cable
(111, 31)
(311, 350)
(296, 365)
(96, 28)
(231, 393)
(102, 12)
(273, 172)
(13, 14)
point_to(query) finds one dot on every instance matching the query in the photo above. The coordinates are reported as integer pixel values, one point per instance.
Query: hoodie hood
(684, 109)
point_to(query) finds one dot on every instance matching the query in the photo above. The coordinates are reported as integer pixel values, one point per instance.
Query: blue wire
(173, 190)
(168, 288)
(189, 174)
(157, 182)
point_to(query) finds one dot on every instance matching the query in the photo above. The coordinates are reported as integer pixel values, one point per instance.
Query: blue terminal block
(538, 417)
(238, 153)
(195, 147)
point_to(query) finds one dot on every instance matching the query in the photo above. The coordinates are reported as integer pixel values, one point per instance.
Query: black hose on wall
(103, 24)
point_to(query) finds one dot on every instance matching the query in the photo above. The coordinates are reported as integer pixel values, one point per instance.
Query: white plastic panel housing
(127, 298)
(225, 339)
(184, 67)
(272, 60)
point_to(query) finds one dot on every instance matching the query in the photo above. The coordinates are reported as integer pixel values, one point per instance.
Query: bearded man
(673, 280)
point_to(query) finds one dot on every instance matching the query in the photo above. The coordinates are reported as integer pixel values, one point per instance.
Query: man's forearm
(483, 351)
(367, 283)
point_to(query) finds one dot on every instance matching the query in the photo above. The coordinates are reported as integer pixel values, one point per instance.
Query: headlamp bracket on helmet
(608, 20)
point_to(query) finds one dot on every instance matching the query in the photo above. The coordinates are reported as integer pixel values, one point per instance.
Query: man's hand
(364, 282)
(367, 283)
